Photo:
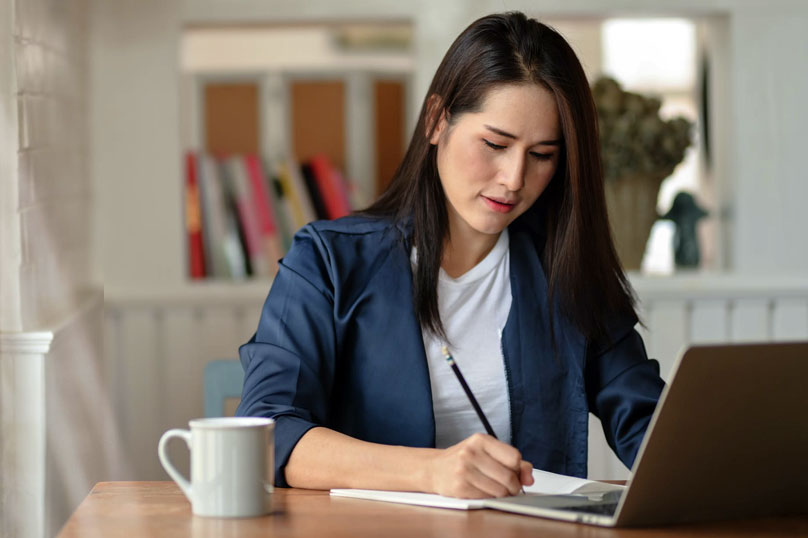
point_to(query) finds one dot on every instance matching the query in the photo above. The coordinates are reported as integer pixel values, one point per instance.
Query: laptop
(728, 440)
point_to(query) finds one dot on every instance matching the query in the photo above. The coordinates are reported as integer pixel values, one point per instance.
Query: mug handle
(184, 485)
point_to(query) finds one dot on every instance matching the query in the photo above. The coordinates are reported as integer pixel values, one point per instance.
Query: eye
(542, 156)
(492, 145)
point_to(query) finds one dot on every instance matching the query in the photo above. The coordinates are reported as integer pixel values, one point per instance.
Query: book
(331, 185)
(270, 235)
(204, 204)
(296, 193)
(347, 191)
(219, 234)
(299, 184)
(545, 483)
(234, 243)
(232, 217)
(314, 192)
(283, 210)
(193, 220)
(247, 215)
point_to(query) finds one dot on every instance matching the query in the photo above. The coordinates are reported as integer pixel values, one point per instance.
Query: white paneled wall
(156, 352)
(158, 346)
(701, 310)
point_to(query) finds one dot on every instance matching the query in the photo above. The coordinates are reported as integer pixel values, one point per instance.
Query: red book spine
(270, 233)
(342, 189)
(329, 185)
(193, 220)
(266, 217)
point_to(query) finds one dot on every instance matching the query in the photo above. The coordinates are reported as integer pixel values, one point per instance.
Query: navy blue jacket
(338, 345)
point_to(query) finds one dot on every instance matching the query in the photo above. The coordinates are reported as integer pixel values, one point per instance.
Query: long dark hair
(578, 254)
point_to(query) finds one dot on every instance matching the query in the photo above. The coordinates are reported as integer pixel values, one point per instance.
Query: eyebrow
(509, 135)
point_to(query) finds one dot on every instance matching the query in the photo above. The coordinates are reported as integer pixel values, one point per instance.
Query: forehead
(528, 108)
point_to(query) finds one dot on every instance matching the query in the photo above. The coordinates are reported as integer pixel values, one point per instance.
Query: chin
(486, 226)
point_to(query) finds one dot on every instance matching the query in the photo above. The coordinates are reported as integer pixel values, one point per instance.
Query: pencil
(489, 430)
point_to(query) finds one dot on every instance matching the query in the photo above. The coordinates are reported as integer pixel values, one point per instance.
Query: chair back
(223, 380)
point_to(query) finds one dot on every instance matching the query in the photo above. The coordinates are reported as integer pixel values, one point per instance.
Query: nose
(512, 175)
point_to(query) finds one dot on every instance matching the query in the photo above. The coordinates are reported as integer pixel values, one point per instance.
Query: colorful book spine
(344, 191)
(235, 248)
(217, 237)
(317, 201)
(240, 219)
(332, 188)
(294, 191)
(193, 220)
(286, 225)
(272, 242)
(247, 215)
(215, 262)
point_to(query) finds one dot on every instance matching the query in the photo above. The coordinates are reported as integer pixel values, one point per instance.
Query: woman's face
(494, 163)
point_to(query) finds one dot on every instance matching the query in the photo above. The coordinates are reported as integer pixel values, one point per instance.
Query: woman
(493, 240)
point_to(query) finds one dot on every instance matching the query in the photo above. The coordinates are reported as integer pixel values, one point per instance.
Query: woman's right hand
(478, 467)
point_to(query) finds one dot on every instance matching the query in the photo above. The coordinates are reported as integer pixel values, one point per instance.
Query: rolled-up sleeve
(623, 387)
(289, 362)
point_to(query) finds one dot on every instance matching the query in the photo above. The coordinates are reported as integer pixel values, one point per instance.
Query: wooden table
(134, 509)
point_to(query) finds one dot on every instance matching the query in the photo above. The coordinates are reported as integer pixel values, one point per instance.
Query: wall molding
(26, 343)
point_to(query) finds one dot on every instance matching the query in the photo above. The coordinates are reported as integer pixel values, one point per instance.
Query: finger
(486, 485)
(504, 453)
(527, 473)
(498, 472)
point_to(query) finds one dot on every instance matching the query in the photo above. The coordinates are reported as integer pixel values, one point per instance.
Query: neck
(462, 251)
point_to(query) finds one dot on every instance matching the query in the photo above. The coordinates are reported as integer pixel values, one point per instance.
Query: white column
(23, 432)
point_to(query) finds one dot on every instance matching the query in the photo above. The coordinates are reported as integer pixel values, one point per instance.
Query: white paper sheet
(545, 483)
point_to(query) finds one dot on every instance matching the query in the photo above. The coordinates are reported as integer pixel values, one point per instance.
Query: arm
(623, 387)
(478, 467)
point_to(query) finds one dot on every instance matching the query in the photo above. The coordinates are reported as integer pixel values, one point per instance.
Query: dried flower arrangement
(633, 138)
(638, 151)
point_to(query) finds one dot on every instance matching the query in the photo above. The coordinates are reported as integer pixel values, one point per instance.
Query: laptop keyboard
(604, 508)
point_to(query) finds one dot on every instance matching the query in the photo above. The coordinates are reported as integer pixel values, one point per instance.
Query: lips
(500, 205)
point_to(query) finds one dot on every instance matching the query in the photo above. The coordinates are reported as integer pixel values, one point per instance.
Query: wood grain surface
(159, 509)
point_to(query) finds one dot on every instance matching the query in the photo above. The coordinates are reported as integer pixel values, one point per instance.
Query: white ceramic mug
(232, 465)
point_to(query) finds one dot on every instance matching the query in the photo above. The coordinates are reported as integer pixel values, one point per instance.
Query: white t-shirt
(474, 308)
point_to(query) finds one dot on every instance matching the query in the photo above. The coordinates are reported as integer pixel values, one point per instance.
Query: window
(659, 57)
(654, 57)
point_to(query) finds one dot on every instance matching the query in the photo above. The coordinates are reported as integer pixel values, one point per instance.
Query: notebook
(728, 440)
(544, 483)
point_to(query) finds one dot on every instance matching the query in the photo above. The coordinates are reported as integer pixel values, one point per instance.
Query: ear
(435, 118)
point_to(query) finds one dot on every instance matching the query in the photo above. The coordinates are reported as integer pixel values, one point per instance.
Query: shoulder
(350, 232)
(325, 250)
(352, 225)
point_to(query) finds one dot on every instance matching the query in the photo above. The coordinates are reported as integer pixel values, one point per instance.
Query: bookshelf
(352, 112)
(137, 122)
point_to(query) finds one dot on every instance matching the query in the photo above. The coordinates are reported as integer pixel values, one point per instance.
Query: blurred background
(157, 155)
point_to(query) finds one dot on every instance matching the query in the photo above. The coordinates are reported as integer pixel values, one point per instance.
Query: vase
(631, 201)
